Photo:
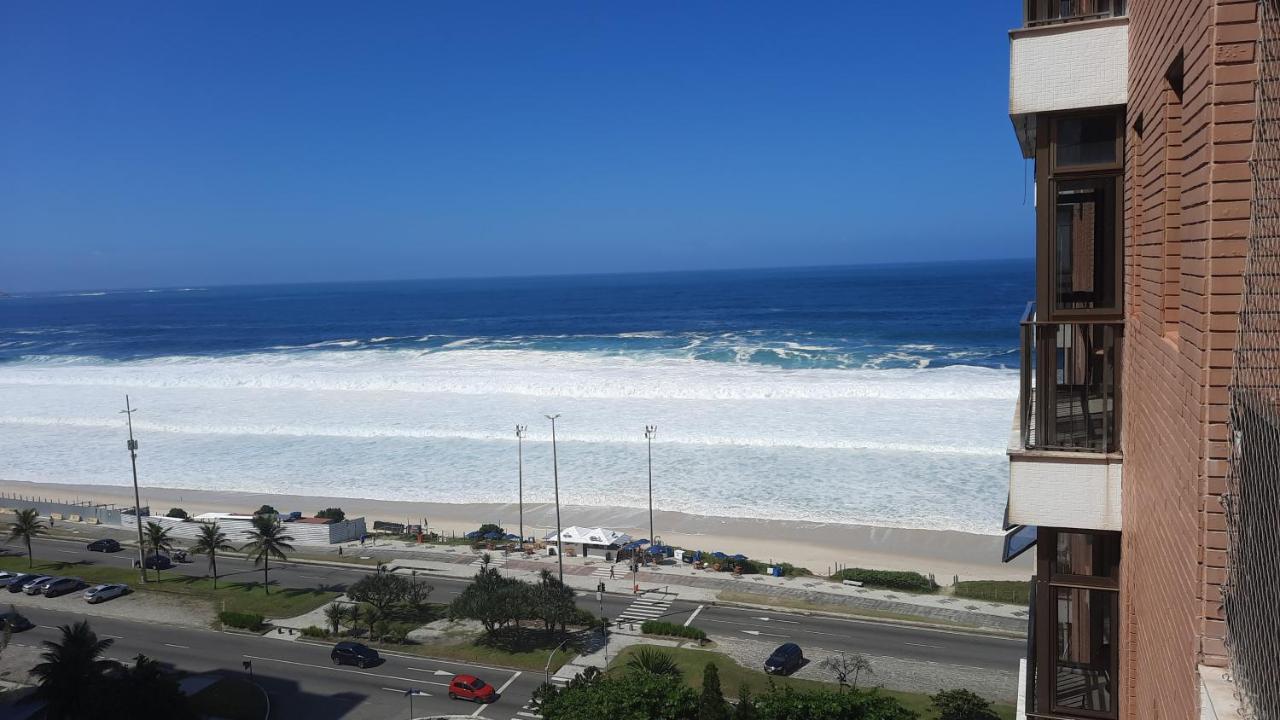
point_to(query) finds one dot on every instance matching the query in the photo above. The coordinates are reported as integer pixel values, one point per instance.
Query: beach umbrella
(641, 541)
(512, 536)
(472, 535)
(740, 557)
(492, 536)
(718, 555)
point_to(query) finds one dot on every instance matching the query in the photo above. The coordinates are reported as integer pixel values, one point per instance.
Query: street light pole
(555, 472)
(137, 503)
(649, 432)
(520, 430)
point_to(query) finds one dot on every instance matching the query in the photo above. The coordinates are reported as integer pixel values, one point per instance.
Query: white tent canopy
(593, 536)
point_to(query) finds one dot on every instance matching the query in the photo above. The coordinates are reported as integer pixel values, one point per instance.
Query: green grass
(231, 698)
(1017, 592)
(470, 652)
(246, 597)
(734, 676)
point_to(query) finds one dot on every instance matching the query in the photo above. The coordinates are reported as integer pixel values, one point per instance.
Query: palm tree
(72, 672)
(26, 525)
(334, 614)
(157, 537)
(267, 540)
(209, 542)
(654, 662)
(148, 692)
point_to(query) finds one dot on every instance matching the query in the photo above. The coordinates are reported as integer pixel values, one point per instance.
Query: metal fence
(1253, 483)
(1048, 12)
(105, 514)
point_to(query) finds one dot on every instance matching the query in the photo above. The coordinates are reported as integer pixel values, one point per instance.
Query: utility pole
(137, 504)
(520, 430)
(649, 432)
(555, 473)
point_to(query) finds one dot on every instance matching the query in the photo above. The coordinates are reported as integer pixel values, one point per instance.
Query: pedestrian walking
(610, 572)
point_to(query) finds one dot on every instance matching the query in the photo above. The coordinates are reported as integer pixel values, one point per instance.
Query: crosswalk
(647, 607)
(526, 713)
(495, 560)
(603, 572)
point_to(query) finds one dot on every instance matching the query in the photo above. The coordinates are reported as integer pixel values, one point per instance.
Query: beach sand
(817, 546)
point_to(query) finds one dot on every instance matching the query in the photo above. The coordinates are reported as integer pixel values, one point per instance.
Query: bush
(788, 570)
(891, 579)
(659, 627)
(178, 513)
(247, 621)
(315, 632)
(1008, 591)
(961, 705)
(334, 514)
(266, 510)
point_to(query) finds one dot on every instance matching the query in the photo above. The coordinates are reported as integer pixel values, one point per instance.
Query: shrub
(266, 510)
(659, 627)
(314, 632)
(788, 570)
(891, 579)
(334, 514)
(1009, 591)
(247, 621)
(178, 513)
(961, 705)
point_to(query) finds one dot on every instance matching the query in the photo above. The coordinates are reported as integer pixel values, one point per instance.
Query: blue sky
(165, 144)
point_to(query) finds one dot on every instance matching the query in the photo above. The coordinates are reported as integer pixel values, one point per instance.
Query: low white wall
(237, 530)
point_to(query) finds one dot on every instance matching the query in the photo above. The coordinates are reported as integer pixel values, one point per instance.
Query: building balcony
(1064, 450)
(1070, 55)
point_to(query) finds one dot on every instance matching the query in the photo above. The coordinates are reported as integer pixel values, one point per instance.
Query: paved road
(832, 633)
(299, 677)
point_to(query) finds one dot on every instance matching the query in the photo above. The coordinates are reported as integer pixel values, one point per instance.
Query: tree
(26, 525)
(372, 617)
(654, 662)
(266, 510)
(418, 594)
(210, 542)
(72, 672)
(746, 708)
(787, 702)
(495, 601)
(353, 616)
(267, 540)
(711, 704)
(147, 692)
(334, 514)
(334, 614)
(157, 537)
(625, 696)
(961, 705)
(178, 513)
(552, 601)
(487, 528)
(842, 666)
(381, 590)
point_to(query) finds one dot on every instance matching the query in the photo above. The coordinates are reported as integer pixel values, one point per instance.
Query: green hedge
(890, 579)
(246, 621)
(658, 627)
(314, 632)
(1008, 591)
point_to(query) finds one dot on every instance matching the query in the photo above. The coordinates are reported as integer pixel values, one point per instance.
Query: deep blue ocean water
(875, 394)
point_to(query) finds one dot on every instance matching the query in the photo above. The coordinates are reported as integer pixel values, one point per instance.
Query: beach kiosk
(597, 541)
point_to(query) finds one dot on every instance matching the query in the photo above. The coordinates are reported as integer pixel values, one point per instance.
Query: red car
(470, 687)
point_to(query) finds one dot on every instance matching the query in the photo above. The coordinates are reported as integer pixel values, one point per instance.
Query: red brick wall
(1181, 319)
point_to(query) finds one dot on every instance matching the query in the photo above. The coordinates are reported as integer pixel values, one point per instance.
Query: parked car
(470, 687)
(102, 593)
(35, 586)
(16, 582)
(6, 577)
(104, 545)
(158, 562)
(62, 586)
(353, 653)
(15, 621)
(785, 660)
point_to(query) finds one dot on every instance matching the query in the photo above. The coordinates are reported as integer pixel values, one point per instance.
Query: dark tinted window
(1086, 140)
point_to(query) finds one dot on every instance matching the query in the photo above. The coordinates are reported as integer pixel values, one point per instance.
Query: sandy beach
(818, 546)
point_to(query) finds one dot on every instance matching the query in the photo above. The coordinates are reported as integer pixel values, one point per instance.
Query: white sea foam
(901, 447)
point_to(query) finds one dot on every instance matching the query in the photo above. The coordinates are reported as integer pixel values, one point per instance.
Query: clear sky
(175, 143)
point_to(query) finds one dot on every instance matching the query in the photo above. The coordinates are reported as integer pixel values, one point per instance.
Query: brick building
(1142, 119)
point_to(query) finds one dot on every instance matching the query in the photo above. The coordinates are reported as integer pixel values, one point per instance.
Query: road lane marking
(693, 615)
(342, 670)
(313, 577)
(433, 672)
(184, 647)
(935, 647)
(507, 684)
(757, 632)
(768, 619)
(416, 692)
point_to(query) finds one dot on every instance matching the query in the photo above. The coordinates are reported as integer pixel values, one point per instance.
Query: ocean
(878, 395)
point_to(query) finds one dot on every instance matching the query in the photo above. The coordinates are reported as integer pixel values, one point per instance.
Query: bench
(74, 518)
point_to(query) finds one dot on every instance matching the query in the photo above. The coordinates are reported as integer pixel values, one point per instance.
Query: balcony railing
(1070, 382)
(1049, 12)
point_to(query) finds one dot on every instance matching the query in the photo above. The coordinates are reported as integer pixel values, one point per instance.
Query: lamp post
(520, 430)
(555, 473)
(137, 503)
(649, 432)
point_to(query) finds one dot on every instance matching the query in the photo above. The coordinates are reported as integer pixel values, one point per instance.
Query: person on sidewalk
(610, 572)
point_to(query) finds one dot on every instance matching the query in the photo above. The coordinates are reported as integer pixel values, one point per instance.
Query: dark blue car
(785, 660)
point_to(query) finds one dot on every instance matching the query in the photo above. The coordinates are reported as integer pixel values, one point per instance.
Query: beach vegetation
(889, 579)
(209, 542)
(25, 526)
(335, 614)
(267, 540)
(333, 513)
(266, 510)
(158, 539)
(178, 513)
(962, 705)
(670, 629)
(1017, 592)
(487, 528)
(314, 631)
(654, 662)
(242, 620)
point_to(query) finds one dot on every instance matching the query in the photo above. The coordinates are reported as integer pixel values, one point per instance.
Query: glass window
(1084, 233)
(1087, 554)
(1085, 140)
(1083, 673)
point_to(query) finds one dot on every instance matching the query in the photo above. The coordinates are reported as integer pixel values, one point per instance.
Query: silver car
(35, 586)
(102, 593)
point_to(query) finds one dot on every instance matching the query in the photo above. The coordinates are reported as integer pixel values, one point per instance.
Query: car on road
(470, 687)
(16, 582)
(353, 653)
(102, 593)
(35, 586)
(62, 586)
(158, 562)
(104, 545)
(785, 660)
(15, 621)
